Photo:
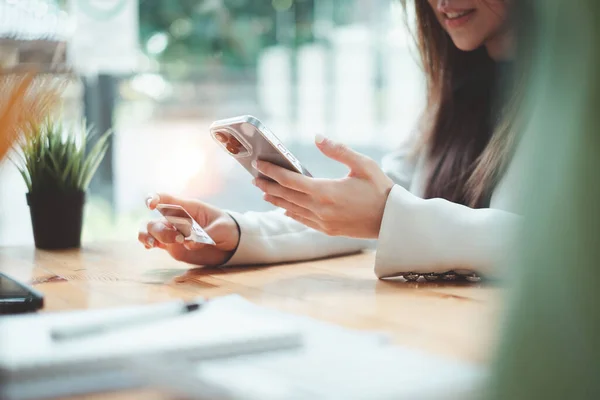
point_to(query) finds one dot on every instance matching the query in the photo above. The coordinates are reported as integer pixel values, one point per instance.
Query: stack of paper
(220, 353)
(30, 357)
(334, 363)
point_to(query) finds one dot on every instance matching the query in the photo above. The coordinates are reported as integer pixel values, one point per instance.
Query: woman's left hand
(352, 206)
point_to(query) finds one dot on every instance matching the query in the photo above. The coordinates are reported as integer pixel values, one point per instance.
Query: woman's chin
(466, 45)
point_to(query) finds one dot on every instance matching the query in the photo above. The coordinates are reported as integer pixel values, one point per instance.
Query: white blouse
(417, 235)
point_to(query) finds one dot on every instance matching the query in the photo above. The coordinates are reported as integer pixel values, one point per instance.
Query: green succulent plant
(54, 157)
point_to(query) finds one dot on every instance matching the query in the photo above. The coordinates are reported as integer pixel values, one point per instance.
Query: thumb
(341, 153)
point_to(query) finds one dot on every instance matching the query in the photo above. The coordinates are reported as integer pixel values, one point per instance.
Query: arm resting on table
(436, 235)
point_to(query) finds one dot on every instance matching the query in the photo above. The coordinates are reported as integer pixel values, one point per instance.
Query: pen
(89, 329)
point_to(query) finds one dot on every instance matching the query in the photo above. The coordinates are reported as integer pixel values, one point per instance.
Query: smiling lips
(455, 19)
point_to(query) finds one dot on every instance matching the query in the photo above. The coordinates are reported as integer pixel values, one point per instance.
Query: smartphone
(247, 139)
(18, 298)
(185, 224)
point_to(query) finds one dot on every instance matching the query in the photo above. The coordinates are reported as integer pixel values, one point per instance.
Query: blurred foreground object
(25, 99)
(551, 344)
(33, 70)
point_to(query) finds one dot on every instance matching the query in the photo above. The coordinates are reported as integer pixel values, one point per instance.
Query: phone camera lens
(233, 149)
(234, 142)
(221, 137)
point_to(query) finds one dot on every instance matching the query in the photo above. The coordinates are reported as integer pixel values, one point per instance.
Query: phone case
(184, 223)
(247, 140)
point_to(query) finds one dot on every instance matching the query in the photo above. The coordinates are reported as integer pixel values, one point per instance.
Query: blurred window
(343, 68)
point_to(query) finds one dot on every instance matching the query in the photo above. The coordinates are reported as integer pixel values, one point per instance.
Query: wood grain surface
(455, 320)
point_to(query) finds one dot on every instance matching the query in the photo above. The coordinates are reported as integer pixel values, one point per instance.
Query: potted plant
(57, 168)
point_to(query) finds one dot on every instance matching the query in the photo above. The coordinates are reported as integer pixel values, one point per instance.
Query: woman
(449, 208)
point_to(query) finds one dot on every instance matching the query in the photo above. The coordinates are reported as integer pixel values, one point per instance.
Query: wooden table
(457, 320)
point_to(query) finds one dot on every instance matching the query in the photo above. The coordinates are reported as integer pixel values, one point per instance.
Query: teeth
(456, 15)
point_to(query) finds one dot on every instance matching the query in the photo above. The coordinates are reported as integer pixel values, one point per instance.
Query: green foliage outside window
(230, 32)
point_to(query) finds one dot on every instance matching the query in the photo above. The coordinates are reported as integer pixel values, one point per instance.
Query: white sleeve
(436, 235)
(271, 237)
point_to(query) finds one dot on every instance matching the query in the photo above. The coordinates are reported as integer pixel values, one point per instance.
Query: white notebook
(334, 363)
(27, 350)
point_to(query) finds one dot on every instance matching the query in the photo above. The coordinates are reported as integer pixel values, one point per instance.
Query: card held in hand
(184, 223)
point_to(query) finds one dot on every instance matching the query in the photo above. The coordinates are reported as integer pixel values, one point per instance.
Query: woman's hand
(352, 206)
(218, 224)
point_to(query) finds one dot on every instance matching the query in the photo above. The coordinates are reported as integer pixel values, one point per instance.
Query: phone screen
(10, 289)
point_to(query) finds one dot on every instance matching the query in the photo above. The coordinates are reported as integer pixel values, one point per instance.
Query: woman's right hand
(218, 224)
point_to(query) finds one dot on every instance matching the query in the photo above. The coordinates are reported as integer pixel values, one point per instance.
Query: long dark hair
(468, 128)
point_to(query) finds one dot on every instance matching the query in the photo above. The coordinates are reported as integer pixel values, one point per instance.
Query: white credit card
(184, 223)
